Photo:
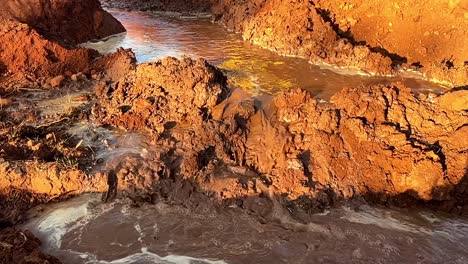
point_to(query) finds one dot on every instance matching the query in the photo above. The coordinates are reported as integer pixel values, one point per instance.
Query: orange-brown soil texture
(378, 37)
(207, 143)
(37, 38)
(383, 143)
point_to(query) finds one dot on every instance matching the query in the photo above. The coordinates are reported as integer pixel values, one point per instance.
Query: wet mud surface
(182, 144)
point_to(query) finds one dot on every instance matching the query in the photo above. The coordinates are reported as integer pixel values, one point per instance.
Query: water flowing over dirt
(174, 145)
(154, 36)
(354, 146)
(379, 37)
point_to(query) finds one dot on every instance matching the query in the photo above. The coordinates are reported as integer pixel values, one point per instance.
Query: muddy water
(153, 36)
(84, 230)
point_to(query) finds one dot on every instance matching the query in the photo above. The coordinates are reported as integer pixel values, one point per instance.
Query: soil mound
(26, 52)
(35, 38)
(380, 141)
(66, 22)
(27, 57)
(156, 94)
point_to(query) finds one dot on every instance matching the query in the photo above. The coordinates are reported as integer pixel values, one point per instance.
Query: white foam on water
(76, 213)
(61, 218)
(380, 218)
(146, 257)
(54, 226)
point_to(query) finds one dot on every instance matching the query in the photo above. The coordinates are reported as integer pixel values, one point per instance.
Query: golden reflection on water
(154, 36)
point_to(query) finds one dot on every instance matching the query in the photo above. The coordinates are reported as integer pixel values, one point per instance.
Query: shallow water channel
(85, 230)
(154, 36)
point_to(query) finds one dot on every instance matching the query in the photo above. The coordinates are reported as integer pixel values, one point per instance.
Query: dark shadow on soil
(175, 189)
(13, 204)
(3, 68)
(397, 60)
(459, 88)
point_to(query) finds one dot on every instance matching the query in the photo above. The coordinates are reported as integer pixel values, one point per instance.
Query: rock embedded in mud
(57, 81)
(78, 77)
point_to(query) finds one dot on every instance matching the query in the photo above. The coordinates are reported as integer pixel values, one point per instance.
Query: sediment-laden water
(84, 230)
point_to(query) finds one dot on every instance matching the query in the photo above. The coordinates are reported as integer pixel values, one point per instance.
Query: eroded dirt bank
(383, 143)
(66, 22)
(37, 40)
(378, 37)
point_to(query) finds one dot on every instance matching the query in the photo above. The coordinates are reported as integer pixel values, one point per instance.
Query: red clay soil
(66, 22)
(431, 34)
(383, 143)
(377, 37)
(380, 141)
(161, 92)
(32, 35)
(24, 51)
(27, 56)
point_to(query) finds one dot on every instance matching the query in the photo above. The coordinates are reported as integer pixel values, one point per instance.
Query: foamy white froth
(75, 214)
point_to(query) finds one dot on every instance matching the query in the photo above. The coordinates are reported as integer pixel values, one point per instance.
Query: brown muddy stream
(85, 230)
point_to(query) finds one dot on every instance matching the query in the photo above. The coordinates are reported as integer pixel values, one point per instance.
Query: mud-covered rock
(114, 66)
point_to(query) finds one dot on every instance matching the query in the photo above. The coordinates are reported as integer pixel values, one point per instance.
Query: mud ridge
(368, 140)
